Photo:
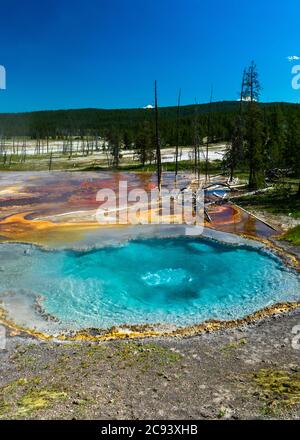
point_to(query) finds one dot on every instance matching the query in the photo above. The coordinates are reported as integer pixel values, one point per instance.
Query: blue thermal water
(181, 281)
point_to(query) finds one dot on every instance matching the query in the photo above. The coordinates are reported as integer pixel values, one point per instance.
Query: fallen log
(207, 215)
(255, 216)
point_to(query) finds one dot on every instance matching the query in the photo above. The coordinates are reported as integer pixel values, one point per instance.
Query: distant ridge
(218, 105)
(54, 123)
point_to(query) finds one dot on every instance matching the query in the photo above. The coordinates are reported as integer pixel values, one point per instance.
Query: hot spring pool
(180, 281)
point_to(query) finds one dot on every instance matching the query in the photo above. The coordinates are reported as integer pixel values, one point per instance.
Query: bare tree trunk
(238, 138)
(71, 145)
(208, 135)
(158, 155)
(50, 161)
(177, 129)
(196, 158)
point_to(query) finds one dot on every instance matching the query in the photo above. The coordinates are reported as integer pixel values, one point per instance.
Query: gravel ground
(280, 222)
(245, 373)
(252, 372)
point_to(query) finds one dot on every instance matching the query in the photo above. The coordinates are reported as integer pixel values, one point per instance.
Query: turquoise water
(181, 281)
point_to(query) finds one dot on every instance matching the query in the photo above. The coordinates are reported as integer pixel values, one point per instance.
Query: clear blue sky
(107, 53)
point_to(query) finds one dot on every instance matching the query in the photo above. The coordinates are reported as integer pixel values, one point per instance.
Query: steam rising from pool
(179, 281)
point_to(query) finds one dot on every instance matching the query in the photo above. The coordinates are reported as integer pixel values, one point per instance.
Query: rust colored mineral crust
(144, 331)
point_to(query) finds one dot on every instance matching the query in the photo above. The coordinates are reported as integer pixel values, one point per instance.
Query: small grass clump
(132, 353)
(222, 413)
(279, 200)
(234, 345)
(34, 400)
(22, 396)
(279, 389)
(292, 235)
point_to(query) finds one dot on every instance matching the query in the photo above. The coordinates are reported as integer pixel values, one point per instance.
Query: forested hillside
(261, 137)
(129, 124)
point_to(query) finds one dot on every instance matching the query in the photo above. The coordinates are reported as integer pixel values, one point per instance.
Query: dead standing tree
(157, 141)
(177, 134)
(196, 144)
(208, 134)
(116, 150)
(236, 152)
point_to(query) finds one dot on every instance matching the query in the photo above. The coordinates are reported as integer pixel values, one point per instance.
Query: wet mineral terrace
(60, 207)
(57, 210)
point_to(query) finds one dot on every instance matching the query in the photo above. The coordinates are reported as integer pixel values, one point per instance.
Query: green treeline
(129, 124)
(260, 137)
